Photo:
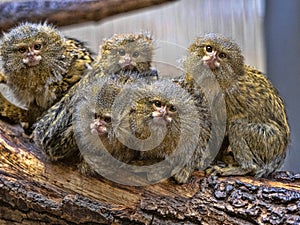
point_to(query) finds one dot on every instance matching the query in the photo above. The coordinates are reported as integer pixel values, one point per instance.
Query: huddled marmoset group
(80, 106)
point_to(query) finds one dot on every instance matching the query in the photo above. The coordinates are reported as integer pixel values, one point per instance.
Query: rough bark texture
(66, 12)
(36, 191)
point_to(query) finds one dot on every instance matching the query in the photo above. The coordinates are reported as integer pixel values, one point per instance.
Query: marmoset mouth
(212, 63)
(163, 120)
(127, 66)
(32, 60)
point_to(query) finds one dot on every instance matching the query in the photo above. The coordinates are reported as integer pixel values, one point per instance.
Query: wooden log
(36, 191)
(66, 12)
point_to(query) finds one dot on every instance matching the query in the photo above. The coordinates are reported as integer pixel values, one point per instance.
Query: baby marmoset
(93, 124)
(40, 65)
(54, 132)
(172, 126)
(257, 129)
(130, 51)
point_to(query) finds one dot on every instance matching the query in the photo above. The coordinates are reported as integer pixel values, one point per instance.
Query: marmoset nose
(163, 111)
(127, 58)
(30, 53)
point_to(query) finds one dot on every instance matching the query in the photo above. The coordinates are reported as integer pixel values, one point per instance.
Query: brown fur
(257, 126)
(62, 63)
(54, 132)
(186, 135)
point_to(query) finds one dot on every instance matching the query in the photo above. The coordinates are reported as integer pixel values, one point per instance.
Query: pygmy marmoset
(168, 125)
(257, 129)
(40, 65)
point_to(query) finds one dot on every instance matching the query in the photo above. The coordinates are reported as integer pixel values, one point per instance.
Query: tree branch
(67, 12)
(34, 190)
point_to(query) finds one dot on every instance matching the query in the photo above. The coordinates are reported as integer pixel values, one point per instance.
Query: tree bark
(36, 191)
(66, 12)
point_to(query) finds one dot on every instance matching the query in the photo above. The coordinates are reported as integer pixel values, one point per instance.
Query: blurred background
(267, 32)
